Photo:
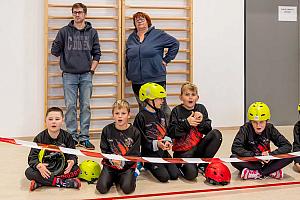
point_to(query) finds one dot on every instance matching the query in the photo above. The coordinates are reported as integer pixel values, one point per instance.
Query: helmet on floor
(152, 91)
(259, 111)
(55, 161)
(217, 173)
(89, 171)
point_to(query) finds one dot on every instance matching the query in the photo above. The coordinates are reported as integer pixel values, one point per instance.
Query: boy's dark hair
(79, 5)
(55, 109)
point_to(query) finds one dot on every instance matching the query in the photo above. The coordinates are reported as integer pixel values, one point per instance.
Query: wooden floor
(14, 185)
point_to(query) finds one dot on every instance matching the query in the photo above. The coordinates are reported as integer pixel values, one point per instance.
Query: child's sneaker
(87, 144)
(34, 185)
(277, 175)
(250, 174)
(72, 183)
(68, 183)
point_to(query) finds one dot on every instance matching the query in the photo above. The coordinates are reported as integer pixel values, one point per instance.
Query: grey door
(272, 60)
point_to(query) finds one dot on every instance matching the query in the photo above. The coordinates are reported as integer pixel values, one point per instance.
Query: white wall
(22, 73)
(218, 63)
(219, 59)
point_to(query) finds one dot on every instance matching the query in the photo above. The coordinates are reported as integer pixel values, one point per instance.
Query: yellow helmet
(299, 108)
(152, 91)
(259, 111)
(89, 171)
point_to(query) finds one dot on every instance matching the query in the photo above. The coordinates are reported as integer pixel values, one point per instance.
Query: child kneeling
(296, 143)
(190, 127)
(120, 138)
(151, 122)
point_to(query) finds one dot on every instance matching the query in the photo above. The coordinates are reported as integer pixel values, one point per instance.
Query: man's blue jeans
(74, 85)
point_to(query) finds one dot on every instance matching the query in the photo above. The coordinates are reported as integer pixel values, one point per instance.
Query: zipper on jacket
(141, 76)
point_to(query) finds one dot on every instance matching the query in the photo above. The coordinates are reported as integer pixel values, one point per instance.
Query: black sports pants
(264, 168)
(206, 148)
(108, 176)
(34, 174)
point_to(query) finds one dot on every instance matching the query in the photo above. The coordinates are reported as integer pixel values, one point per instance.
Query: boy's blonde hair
(189, 86)
(119, 104)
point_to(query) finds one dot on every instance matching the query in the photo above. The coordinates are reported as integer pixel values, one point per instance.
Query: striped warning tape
(143, 159)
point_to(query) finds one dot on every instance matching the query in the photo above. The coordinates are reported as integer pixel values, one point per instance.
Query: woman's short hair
(143, 15)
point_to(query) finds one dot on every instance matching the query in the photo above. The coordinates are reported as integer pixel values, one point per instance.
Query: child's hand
(69, 167)
(160, 144)
(164, 145)
(198, 115)
(42, 167)
(192, 120)
(265, 153)
(117, 163)
(168, 145)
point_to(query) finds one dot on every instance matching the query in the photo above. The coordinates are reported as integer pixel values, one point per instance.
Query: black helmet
(55, 161)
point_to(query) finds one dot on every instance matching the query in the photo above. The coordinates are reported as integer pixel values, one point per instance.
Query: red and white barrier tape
(143, 159)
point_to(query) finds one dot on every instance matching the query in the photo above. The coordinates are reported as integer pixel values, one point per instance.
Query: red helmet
(217, 173)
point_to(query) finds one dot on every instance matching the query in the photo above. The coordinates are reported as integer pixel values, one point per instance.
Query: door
(272, 59)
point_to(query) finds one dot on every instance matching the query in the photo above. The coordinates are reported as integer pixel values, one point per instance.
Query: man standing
(77, 45)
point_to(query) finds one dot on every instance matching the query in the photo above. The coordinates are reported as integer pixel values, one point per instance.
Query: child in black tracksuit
(253, 139)
(119, 138)
(37, 171)
(296, 143)
(152, 124)
(191, 130)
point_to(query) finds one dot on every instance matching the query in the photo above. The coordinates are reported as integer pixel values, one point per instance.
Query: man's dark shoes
(87, 144)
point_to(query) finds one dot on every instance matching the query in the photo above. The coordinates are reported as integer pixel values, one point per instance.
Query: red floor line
(199, 191)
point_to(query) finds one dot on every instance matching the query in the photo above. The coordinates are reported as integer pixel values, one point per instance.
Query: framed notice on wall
(287, 13)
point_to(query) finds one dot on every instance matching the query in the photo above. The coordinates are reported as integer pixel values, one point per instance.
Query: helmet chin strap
(157, 110)
(152, 106)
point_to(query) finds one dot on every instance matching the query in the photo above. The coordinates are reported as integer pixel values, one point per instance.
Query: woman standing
(145, 58)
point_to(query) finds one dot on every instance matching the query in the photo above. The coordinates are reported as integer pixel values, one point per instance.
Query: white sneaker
(277, 175)
(250, 174)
